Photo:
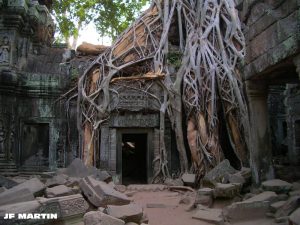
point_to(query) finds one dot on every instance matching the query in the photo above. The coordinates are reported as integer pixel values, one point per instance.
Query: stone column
(297, 64)
(260, 140)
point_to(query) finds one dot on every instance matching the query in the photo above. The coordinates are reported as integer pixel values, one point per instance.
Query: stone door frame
(150, 149)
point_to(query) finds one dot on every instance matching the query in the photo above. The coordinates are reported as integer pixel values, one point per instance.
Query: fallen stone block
(144, 219)
(127, 213)
(2, 189)
(210, 215)
(156, 205)
(34, 185)
(236, 178)
(254, 207)
(205, 191)
(101, 194)
(99, 218)
(173, 182)
(146, 187)
(289, 206)
(294, 193)
(204, 200)
(188, 179)
(57, 191)
(204, 196)
(57, 180)
(62, 207)
(73, 182)
(120, 188)
(276, 185)
(246, 173)
(226, 190)
(6, 182)
(78, 169)
(21, 207)
(218, 174)
(294, 218)
(65, 206)
(277, 205)
(131, 223)
(14, 196)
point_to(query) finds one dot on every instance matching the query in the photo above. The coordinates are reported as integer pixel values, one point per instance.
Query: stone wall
(33, 127)
(271, 29)
(272, 34)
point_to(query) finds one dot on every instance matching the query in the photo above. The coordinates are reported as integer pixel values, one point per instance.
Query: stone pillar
(297, 64)
(260, 140)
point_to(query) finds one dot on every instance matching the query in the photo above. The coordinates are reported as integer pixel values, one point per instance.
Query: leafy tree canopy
(110, 17)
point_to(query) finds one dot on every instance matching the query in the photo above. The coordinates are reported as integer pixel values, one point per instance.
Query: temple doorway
(134, 149)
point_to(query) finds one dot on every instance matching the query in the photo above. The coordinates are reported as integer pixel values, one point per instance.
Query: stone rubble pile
(73, 192)
(275, 198)
(89, 194)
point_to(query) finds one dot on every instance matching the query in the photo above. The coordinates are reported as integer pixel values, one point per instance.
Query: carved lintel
(256, 89)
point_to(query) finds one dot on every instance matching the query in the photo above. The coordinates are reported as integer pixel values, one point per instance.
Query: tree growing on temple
(203, 41)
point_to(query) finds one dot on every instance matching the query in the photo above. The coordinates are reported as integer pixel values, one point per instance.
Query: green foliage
(111, 17)
(174, 58)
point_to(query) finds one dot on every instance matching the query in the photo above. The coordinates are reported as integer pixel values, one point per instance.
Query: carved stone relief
(5, 50)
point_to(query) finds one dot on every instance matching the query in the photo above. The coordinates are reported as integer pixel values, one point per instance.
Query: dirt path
(170, 212)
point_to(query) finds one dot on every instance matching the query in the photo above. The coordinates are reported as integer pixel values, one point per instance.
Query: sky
(90, 35)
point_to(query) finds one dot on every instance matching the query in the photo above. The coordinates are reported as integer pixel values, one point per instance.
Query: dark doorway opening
(134, 158)
(35, 146)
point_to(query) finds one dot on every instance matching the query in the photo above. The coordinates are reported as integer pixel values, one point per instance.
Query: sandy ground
(174, 213)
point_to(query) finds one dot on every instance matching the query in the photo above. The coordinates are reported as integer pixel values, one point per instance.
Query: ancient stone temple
(37, 133)
(32, 125)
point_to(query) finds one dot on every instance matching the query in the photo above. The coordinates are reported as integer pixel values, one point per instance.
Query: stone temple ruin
(36, 133)
(38, 118)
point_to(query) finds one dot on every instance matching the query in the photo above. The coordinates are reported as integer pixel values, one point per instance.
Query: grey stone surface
(276, 185)
(14, 196)
(226, 190)
(101, 194)
(294, 193)
(294, 218)
(236, 178)
(127, 213)
(204, 200)
(57, 191)
(2, 189)
(276, 205)
(99, 218)
(173, 182)
(218, 174)
(189, 179)
(78, 169)
(59, 179)
(65, 206)
(204, 196)
(210, 215)
(34, 185)
(6, 182)
(148, 187)
(289, 206)
(255, 207)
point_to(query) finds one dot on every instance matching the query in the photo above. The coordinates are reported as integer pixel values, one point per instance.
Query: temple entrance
(35, 146)
(134, 158)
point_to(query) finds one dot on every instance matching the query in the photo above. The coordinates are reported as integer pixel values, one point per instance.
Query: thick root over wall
(190, 48)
